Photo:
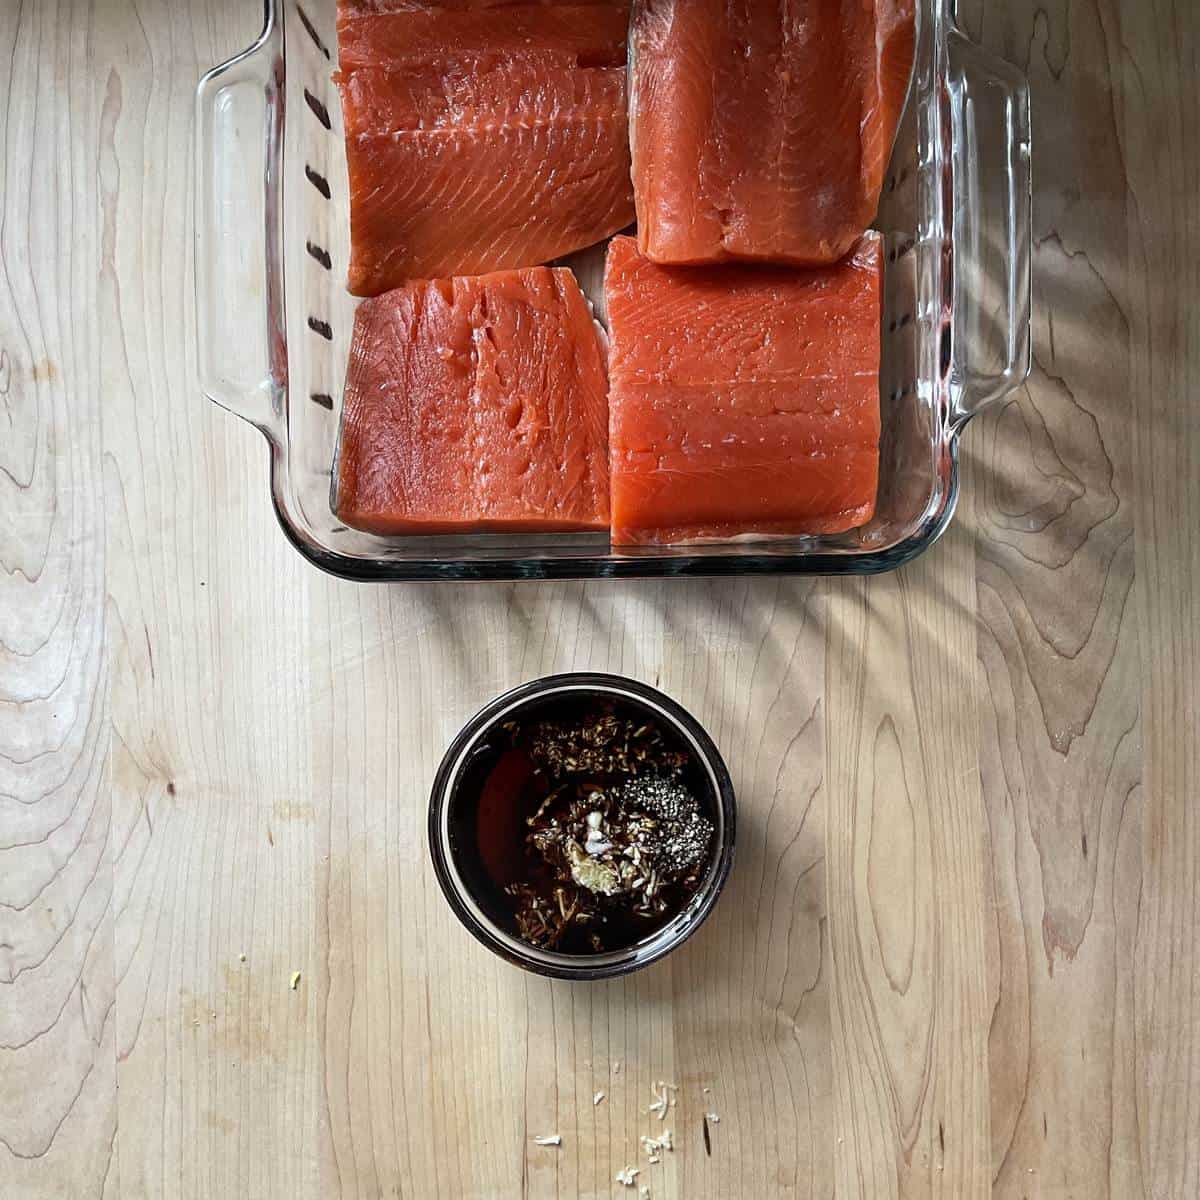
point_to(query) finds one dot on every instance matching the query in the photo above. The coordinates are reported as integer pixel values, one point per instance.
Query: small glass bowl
(719, 803)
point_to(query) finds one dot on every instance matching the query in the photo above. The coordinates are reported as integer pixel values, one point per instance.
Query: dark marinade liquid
(502, 787)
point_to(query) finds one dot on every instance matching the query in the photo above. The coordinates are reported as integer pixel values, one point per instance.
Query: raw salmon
(763, 131)
(435, 102)
(585, 34)
(367, 8)
(475, 405)
(460, 172)
(480, 138)
(744, 399)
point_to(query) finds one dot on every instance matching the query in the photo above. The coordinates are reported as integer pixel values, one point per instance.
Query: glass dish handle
(240, 352)
(989, 107)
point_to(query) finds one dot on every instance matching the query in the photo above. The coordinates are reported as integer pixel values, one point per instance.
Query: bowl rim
(572, 966)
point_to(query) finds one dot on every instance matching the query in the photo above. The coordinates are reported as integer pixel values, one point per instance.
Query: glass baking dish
(274, 318)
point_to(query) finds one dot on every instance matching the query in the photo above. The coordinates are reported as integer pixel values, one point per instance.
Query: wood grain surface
(960, 952)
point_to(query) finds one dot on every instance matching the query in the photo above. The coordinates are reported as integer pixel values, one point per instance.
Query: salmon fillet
(380, 102)
(481, 138)
(367, 8)
(475, 405)
(461, 172)
(763, 131)
(743, 400)
(584, 34)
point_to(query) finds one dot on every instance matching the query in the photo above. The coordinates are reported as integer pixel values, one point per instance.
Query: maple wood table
(960, 951)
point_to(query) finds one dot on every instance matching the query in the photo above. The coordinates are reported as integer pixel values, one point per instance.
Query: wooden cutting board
(958, 955)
